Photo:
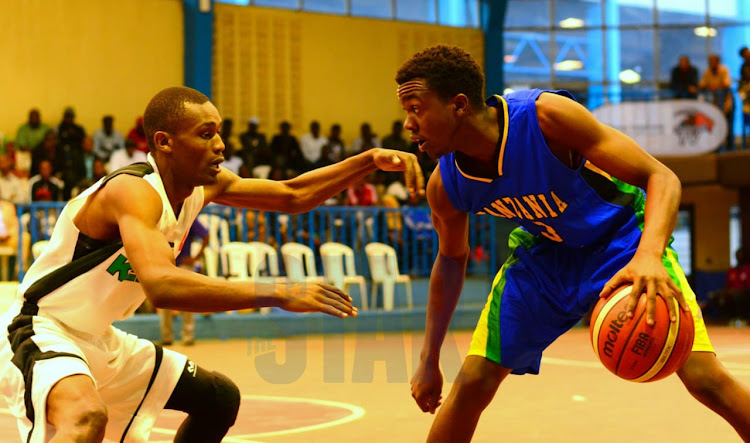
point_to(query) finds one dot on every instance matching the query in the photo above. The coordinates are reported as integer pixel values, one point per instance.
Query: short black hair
(742, 51)
(448, 70)
(167, 108)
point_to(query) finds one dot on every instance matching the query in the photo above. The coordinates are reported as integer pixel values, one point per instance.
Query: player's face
(198, 148)
(430, 120)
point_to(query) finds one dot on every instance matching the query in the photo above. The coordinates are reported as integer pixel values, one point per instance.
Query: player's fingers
(650, 302)
(333, 291)
(679, 295)
(419, 175)
(610, 286)
(635, 295)
(672, 303)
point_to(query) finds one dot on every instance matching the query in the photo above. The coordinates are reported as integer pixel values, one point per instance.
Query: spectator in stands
(48, 150)
(396, 141)
(333, 150)
(311, 145)
(362, 193)
(75, 165)
(98, 172)
(45, 186)
(717, 84)
(12, 188)
(254, 144)
(31, 133)
(231, 161)
(684, 80)
(123, 157)
(733, 301)
(9, 233)
(107, 139)
(745, 55)
(70, 134)
(138, 134)
(186, 260)
(366, 140)
(285, 149)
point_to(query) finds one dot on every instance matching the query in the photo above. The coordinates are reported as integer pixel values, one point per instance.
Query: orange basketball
(633, 350)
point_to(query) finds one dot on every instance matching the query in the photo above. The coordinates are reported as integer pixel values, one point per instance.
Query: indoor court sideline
(355, 388)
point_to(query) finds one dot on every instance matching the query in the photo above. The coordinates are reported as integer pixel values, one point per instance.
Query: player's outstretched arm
(311, 189)
(568, 125)
(170, 287)
(446, 282)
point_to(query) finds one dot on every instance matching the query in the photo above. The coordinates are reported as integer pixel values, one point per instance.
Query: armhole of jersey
(450, 186)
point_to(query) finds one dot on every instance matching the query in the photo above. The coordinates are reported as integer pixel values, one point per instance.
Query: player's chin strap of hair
(410, 87)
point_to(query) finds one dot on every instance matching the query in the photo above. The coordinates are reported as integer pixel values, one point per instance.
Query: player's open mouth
(420, 142)
(215, 164)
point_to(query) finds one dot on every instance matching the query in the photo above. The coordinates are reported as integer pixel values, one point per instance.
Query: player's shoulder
(128, 193)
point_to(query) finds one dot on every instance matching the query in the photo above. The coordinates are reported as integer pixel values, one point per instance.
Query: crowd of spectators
(47, 162)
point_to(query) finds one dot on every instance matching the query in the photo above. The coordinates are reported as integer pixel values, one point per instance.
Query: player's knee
(479, 379)
(227, 400)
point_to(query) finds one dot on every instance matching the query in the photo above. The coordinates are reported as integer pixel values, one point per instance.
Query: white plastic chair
(299, 261)
(235, 260)
(338, 267)
(384, 270)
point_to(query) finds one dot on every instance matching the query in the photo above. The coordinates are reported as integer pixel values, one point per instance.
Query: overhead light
(630, 77)
(568, 65)
(704, 31)
(508, 91)
(510, 58)
(571, 22)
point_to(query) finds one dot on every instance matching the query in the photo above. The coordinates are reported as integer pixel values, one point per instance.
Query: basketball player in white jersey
(67, 374)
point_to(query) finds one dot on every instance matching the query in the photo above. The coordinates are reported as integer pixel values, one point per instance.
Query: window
(328, 6)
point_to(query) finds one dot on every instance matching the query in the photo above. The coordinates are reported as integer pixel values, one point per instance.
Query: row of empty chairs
(257, 261)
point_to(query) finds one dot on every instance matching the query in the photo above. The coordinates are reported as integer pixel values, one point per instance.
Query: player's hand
(392, 160)
(427, 385)
(647, 275)
(317, 297)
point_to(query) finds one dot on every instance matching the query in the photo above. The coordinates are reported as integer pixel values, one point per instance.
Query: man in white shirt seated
(127, 156)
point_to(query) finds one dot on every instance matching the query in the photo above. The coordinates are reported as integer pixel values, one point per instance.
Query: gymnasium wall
(97, 56)
(280, 64)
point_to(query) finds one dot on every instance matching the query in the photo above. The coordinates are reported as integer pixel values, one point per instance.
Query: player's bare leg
(76, 411)
(474, 388)
(708, 381)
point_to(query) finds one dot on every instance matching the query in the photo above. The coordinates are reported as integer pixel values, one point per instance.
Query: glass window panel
(686, 43)
(635, 12)
(234, 2)
(572, 61)
(452, 13)
(678, 12)
(637, 53)
(683, 240)
(570, 13)
(372, 8)
(472, 13)
(527, 14)
(416, 10)
(727, 43)
(527, 58)
(728, 11)
(735, 234)
(329, 6)
(283, 4)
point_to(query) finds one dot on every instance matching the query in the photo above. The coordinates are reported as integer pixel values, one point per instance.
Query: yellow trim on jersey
(471, 177)
(594, 168)
(506, 123)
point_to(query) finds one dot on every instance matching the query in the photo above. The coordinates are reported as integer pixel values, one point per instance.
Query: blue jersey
(575, 207)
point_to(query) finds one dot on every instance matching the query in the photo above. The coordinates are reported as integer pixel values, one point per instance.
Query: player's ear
(163, 141)
(460, 104)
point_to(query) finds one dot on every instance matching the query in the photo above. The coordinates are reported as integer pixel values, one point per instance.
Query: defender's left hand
(392, 160)
(647, 275)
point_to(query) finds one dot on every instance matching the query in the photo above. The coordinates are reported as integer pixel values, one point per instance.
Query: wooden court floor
(355, 388)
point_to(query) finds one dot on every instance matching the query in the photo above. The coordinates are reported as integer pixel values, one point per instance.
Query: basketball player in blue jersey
(66, 373)
(576, 187)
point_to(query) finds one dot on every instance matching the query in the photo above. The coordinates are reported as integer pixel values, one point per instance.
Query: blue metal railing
(408, 229)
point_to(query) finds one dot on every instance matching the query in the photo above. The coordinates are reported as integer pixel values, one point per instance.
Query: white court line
(356, 413)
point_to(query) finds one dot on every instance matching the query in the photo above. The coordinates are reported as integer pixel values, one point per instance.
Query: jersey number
(549, 232)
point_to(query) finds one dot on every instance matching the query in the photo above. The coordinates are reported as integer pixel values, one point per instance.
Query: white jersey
(87, 284)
